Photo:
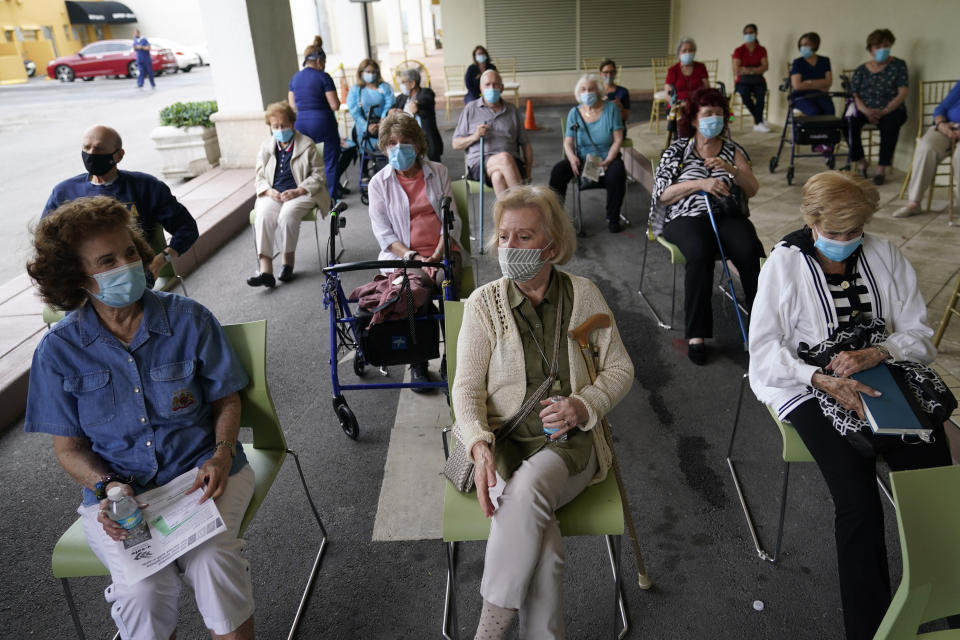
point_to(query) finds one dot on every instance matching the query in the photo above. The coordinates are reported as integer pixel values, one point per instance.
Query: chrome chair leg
(73, 608)
(621, 627)
(643, 297)
(450, 627)
(323, 547)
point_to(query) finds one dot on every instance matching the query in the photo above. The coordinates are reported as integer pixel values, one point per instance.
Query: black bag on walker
(401, 341)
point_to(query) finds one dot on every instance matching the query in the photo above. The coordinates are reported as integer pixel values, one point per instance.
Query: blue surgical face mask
(588, 98)
(881, 54)
(282, 135)
(806, 51)
(749, 37)
(481, 58)
(686, 58)
(402, 156)
(122, 286)
(836, 250)
(404, 89)
(369, 78)
(491, 95)
(710, 126)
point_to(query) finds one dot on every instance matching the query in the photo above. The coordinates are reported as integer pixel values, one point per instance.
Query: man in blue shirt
(144, 64)
(146, 197)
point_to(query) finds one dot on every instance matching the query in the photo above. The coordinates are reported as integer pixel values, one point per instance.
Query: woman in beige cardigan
(505, 355)
(289, 185)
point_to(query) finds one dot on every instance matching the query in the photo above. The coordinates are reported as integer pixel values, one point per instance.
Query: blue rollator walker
(731, 293)
(348, 330)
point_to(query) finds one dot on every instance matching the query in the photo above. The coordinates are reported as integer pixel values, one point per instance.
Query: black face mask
(98, 164)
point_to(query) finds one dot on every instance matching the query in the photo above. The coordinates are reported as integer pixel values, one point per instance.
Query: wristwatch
(231, 446)
(884, 352)
(167, 256)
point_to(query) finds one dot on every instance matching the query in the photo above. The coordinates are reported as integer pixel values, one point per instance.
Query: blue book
(890, 413)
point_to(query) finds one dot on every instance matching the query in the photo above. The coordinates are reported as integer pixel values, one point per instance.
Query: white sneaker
(761, 127)
(906, 211)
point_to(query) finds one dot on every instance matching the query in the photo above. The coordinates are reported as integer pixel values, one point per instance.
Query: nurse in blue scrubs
(369, 101)
(313, 96)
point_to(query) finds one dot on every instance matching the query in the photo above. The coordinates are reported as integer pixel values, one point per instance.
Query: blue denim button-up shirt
(146, 408)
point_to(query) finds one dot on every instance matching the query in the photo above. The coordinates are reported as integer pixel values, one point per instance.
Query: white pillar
(252, 44)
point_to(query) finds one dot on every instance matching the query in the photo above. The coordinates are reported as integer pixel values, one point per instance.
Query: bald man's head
(491, 79)
(101, 139)
(102, 150)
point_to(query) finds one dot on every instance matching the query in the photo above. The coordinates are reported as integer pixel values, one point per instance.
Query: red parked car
(107, 58)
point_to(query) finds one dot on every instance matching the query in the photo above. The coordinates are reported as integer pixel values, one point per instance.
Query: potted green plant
(187, 139)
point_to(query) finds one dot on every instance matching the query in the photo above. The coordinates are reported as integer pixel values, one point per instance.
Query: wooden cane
(582, 336)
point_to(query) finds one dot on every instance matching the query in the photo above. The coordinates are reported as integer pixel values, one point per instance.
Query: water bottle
(125, 512)
(548, 431)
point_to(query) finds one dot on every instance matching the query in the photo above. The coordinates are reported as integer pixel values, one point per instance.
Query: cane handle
(582, 333)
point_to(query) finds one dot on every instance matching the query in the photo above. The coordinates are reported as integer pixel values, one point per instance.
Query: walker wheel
(348, 421)
(790, 175)
(773, 164)
(359, 366)
(364, 197)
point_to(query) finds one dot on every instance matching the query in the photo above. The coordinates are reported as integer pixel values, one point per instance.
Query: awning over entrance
(99, 13)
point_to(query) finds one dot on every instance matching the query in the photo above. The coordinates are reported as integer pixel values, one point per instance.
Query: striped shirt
(840, 289)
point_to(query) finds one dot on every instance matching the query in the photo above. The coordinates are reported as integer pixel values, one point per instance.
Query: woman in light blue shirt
(594, 134)
(369, 101)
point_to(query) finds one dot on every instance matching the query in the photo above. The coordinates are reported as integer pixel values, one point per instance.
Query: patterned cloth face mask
(521, 265)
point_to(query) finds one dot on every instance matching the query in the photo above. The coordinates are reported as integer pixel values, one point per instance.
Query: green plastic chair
(794, 450)
(166, 280)
(468, 188)
(72, 557)
(595, 512)
(929, 525)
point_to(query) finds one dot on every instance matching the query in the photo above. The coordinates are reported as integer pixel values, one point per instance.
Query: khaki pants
(523, 568)
(931, 149)
(282, 217)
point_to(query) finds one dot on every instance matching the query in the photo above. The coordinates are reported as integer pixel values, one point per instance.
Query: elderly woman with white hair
(834, 301)
(420, 102)
(594, 135)
(522, 383)
(687, 75)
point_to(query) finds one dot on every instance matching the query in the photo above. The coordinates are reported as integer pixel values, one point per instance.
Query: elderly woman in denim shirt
(137, 388)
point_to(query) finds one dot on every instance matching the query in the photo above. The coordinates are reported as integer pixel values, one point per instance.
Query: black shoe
(614, 226)
(419, 373)
(879, 179)
(262, 280)
(697, 352)
(286, 273)
(345, 191)
(443, 368)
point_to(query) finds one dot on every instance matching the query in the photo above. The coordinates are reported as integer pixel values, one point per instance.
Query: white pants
(217, 573)
(523, 567)
(285, 217)
(931, 149)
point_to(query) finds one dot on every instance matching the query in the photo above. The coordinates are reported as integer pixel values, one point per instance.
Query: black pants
(753, 95)
(858, 523)
(889, 127)
(614, 180)
(698, 244)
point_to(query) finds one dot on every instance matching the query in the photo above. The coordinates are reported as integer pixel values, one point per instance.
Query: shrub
(188, 114)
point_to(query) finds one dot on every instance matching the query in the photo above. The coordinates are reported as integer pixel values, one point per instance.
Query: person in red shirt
(749, 63)
(686, 76)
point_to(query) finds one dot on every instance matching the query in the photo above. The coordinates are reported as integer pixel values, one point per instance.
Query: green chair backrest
(460, 200)
(452, 320)
(929, 524)
(793, 448)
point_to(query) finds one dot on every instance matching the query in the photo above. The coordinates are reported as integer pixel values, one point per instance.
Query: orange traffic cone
(530, 123)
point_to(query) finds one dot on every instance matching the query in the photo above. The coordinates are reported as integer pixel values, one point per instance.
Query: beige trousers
(282, 217)
(523, 568)
(931, 149)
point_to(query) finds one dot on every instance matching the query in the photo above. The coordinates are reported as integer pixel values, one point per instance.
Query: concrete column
(346, 31)
(252, 45)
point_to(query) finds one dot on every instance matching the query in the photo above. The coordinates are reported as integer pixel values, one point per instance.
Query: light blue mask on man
(806, 52)
(122, 286)
(492, 96)
(686, 58)
(836, 250)
(402, 156)
(881, 54)
(710, 126)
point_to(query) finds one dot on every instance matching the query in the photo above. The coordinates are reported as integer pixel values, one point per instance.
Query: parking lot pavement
(40, 127)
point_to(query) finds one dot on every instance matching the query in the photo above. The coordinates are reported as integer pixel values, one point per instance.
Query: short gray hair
(587, 78)
(411, 74)
(684, 40)
(491, 71)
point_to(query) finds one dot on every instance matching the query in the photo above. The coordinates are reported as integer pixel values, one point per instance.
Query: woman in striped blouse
(833, 301)
(691, 170)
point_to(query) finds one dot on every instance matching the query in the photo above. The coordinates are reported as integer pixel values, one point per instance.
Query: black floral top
(681, 162)
(876, 90)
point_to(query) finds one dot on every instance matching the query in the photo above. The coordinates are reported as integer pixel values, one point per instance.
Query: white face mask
(521, 265)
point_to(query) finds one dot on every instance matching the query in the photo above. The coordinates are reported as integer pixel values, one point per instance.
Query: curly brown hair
(56, 267)
(878, 36)
(703, 97)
